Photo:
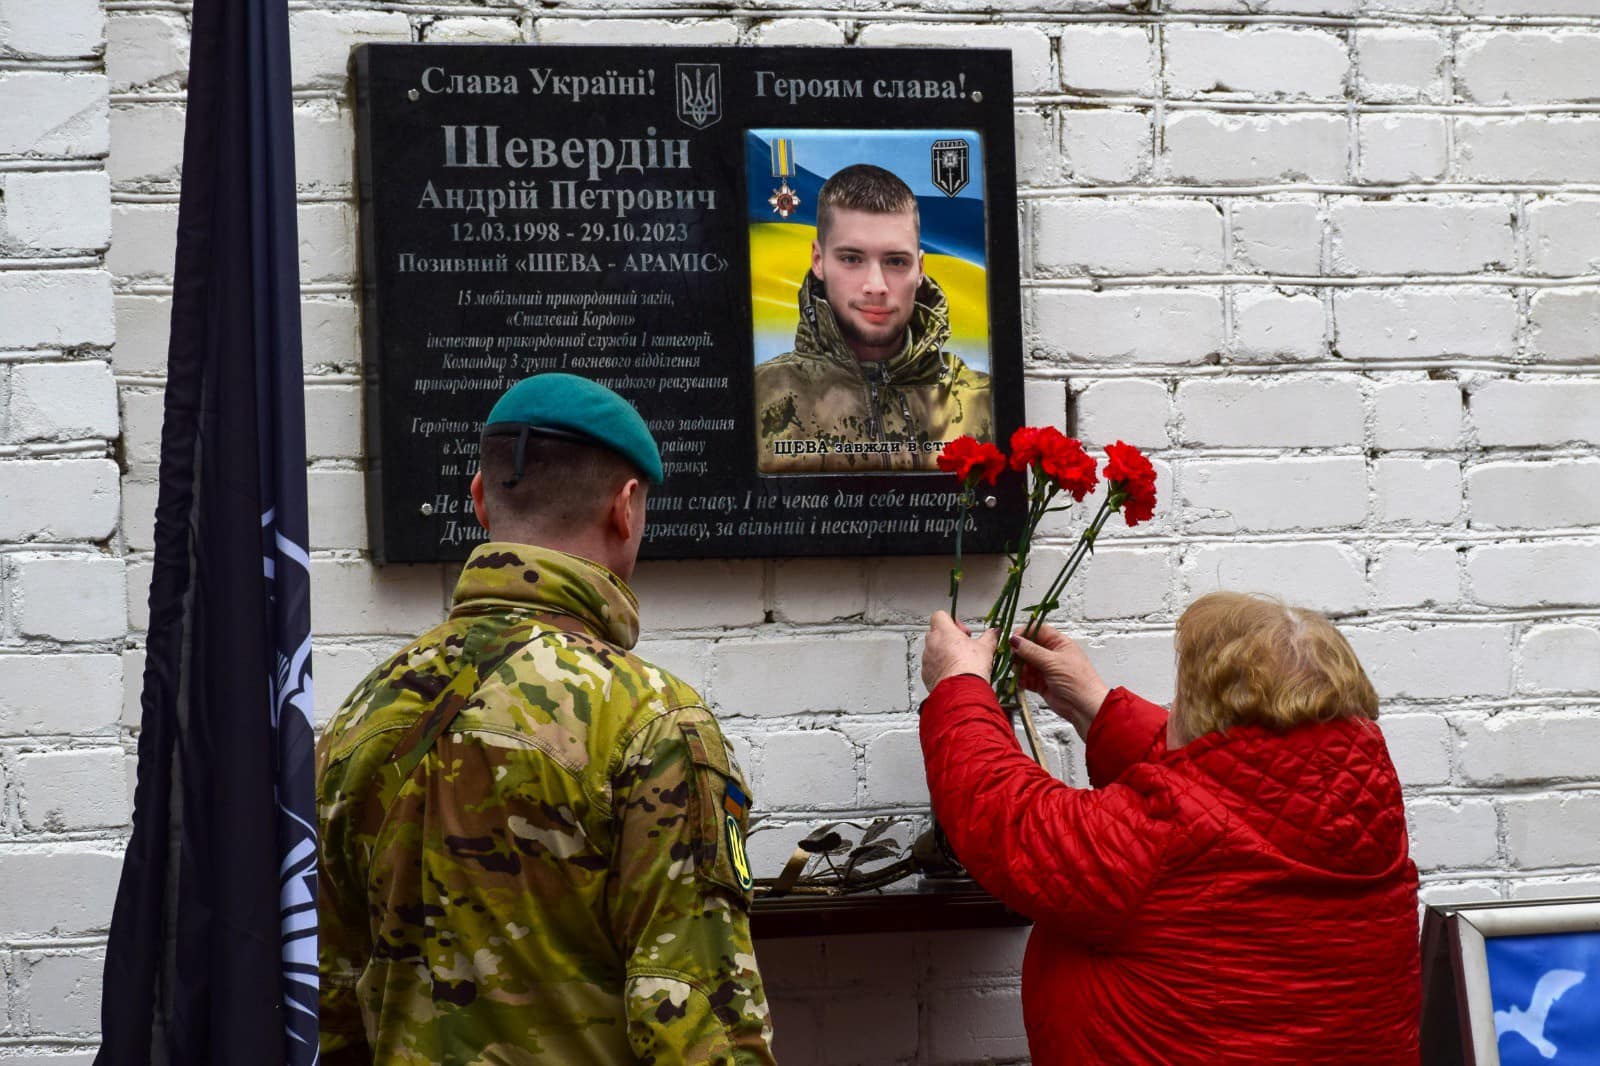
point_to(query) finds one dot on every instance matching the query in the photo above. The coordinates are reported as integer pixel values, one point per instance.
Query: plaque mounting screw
(426, 509)
(988, 501)
(977, 95)
(413, 95)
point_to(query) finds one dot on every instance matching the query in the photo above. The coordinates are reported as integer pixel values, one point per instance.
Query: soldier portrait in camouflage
(532, 839)
(870, 384)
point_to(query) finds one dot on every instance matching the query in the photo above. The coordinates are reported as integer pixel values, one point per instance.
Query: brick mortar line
(72, 65)
(54, 262)
(53, 943)
(1096, 282)
(98, 446)
(1039, 192)
(1327, 105)
(1063, 369)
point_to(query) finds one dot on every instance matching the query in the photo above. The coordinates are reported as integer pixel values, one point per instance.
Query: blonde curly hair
(1246, 659)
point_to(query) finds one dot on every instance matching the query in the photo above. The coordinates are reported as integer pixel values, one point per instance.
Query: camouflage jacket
(554, 875)
(904, 405)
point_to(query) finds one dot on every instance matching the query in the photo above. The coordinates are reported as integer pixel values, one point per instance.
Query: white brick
(33, 684)
(146, 144)
(142, 413)
(1563, 324)
(1534, 575)
(976, 1025)
(1541, 148)
(1528, 67)
(1277, 237)
(1525, 7)
(1451, 834)
(57, 308)
(909, 589)
(1451, 893)
(64, 890)
(324, 142)
(1419, 745)
(1280, 62)
(1539, 495)
(1408, 575)
(333, 421)
(132, 667)
(1125, 582)
(1554, 888)
(349, 596)
(698, 594)
(1128, 237)
(62, 992)
(810, 769)
(53, 114)
(864, 673)
(819, 590)
(1149, 326)
(866, 1030)
(1417, 414)
(1030, 48)
(1517, 746)
(138, 593)
(895, 774)
(1421, 237)
(1229, 496)
(144, 240)
(330, 334)
(1301, 412)
(62, 401)
(1412, 323)
(1562, 830)
(1323, 577)
(338, 512)
(1412, 662)
(76, 597)
(63, 791)
(339, 668)
(1564, 236)
(1107, 59)
(1107, 146)
(1560, 658)
(1413, 491)
(1128, 410)
(58, 29)
(1402, 149)
(58, 500)
(320, 41)
(142, 327)
(635, 31)
(1231, 148)
(327, 241)
(1142, 662)
(1401, 64)
(1038, 148)
(1270, 326)
(1044, 401)
(65, 210)
(473, 30)
(147, 50)
(139, 492)
(826, 32)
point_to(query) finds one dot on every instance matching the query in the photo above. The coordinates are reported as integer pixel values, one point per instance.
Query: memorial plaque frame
(520, 203)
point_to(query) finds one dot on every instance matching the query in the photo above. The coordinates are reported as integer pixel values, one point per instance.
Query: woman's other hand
(1057, 669)
(948, 649)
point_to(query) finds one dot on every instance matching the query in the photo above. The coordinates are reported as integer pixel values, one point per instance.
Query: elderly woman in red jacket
(1234, 888)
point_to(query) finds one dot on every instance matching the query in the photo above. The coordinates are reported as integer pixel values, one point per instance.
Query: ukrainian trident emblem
(950, 162)
(699, 94)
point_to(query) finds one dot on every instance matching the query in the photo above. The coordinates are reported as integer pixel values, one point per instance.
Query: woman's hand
(1057, 669)
(948, 650)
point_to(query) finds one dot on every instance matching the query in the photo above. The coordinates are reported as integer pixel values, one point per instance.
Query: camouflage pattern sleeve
(680, 911)
(341, 934)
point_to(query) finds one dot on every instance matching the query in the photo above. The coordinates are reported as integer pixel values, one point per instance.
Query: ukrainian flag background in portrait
(953, 227)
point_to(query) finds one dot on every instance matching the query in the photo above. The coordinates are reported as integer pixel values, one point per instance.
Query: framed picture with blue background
(1513, 984)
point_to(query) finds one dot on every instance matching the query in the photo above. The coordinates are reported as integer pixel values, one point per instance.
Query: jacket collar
(501, 574)
(922, 361)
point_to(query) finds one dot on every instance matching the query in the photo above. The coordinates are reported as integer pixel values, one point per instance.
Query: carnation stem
(957, 572)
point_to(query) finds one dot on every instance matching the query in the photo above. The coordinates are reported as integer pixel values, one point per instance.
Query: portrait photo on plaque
(869, 296)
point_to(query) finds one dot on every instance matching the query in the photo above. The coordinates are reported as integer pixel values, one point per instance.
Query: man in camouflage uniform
(868, 386)
(532, 840)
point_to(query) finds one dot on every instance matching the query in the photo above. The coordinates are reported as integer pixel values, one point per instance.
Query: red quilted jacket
(1247, 898)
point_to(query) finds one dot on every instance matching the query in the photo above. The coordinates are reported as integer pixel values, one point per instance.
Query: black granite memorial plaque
(647, 217)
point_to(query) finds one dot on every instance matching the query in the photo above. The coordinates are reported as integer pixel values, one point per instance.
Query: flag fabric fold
(212, 954)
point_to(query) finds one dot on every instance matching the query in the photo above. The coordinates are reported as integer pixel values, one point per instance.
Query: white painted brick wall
(1309, 239)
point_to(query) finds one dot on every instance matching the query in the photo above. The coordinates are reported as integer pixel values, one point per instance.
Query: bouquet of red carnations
(1057, 466)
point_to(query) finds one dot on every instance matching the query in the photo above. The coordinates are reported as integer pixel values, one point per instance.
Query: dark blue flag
(212, 956)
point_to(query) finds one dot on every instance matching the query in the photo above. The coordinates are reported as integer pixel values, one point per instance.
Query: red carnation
(1069, 466)
(1133, 479)
(971, 461)
(1026, 447)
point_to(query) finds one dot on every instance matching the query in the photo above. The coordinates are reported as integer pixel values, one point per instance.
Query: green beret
(571, 407)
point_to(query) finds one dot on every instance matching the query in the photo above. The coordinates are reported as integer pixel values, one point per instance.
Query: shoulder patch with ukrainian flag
(734, 805)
